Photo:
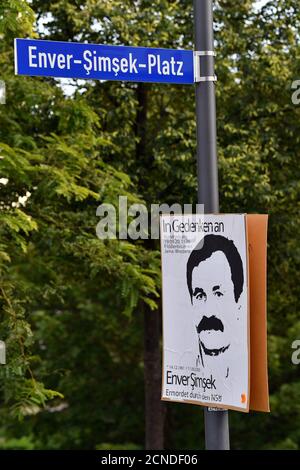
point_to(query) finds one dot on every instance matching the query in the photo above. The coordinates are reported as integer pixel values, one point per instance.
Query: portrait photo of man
(215, 282)
(206, 309)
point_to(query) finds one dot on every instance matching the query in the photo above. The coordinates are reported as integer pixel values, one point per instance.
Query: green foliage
(23, 443)
(126, 446)
(15, 16)
(71, 304)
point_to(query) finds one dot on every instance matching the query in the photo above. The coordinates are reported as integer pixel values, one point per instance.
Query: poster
(206, 357)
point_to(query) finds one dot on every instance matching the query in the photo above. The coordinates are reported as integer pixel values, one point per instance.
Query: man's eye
(219, 294)
(201, 296)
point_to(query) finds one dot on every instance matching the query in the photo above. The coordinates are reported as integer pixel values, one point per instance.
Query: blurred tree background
(81, 316)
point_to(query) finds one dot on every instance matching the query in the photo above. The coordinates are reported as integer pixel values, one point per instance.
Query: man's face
(214, 308)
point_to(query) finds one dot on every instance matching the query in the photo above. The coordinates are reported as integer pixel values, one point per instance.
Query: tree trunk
(154, 407)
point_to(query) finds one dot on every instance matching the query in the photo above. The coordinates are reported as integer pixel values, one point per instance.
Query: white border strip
(16, 55)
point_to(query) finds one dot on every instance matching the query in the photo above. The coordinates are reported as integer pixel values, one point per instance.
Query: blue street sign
(94, 61)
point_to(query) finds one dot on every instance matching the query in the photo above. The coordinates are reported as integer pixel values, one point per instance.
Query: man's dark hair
(205, 249)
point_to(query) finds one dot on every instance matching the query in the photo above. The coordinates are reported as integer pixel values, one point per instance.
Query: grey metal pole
(216, 421)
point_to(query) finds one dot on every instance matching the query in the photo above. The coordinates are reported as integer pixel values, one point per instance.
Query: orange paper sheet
(257, 226)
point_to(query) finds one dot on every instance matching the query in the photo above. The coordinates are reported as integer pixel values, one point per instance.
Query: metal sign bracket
(197, 67)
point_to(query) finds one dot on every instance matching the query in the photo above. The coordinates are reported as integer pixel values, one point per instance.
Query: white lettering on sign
(165, 67)
(95, 63)
(47, 60)
(92, 62)
(31, 56)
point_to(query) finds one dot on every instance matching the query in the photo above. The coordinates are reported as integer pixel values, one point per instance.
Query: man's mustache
(210, 323)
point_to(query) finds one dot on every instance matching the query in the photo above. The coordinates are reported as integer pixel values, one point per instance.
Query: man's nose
(207, 308)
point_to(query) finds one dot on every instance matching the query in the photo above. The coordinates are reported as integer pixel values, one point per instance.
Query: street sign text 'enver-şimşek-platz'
(101, 62)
